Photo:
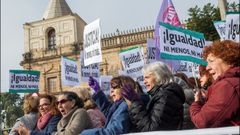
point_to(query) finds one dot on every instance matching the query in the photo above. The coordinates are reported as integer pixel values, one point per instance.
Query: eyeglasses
(43, 105)
(62, 101)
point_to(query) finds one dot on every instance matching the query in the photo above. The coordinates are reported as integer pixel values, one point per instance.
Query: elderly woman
(164, 111)
(75, 118)
(30, 108)
(118, 121)
(49, 117)
(221, 107)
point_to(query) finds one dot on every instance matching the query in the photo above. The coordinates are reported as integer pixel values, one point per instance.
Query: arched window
(51, 39)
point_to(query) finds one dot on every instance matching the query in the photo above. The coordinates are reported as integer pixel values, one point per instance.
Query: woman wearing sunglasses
(49, 117)
(75, 118)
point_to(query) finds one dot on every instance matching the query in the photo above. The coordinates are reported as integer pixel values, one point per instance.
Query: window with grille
(52, 84)
(51, 39)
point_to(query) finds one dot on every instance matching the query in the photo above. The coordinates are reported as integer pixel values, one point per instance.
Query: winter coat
(189, 95)
(118, 121)
(29, 120)
(50, 127)
(74, 122)
(164, 111)
(222, 107)
(97, 117)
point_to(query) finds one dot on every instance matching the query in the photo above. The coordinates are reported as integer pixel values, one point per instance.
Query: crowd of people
(172, 101)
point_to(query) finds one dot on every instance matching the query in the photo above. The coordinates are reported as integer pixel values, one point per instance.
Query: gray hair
(160, 71)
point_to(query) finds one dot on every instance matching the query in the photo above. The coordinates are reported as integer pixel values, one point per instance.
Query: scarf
(65, 119)
(43, 120)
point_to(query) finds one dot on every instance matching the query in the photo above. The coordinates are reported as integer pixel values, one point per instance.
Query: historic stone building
(60, 33)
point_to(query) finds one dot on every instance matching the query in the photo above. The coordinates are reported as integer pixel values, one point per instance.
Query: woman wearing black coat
(164, 111)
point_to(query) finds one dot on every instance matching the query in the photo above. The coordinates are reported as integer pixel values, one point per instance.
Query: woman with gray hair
(164, 111)
(75, 118)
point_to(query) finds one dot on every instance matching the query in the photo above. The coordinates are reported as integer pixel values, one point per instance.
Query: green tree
(233, 7)
(201, 20)
(12, 104)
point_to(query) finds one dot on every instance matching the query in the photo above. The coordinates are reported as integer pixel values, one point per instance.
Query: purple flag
(167, 14)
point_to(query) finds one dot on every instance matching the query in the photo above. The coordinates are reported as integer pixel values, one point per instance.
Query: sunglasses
(62, 101)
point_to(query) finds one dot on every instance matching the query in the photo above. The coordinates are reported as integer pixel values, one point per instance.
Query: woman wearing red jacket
(221, 107)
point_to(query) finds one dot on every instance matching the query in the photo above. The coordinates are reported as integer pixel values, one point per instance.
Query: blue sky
(114, 14)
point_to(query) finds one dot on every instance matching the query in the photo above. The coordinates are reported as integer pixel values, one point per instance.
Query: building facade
(60, 33)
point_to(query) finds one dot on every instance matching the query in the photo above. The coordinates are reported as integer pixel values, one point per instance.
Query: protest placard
(69, 72)
(233, 26)
(167, 14)
(151, 50)
(188, 68)
(220, 26)
(90, 70)
(132, 59)
(105, 84)
(133, 62)
(23, 81)
(181, 44)
(92, 43)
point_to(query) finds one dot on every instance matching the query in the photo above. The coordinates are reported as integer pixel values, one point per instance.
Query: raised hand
(129, 93)
(93, 83)
(200, 95)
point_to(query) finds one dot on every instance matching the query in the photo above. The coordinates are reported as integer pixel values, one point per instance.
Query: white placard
(181, 44)
(131, 58)
(188, 68)
(69, 72)
(233, 26)
(133, 62)
(151, 50)
(220, 26)
(121, 72)
(90, 70)
(105, 84)
(92, 43)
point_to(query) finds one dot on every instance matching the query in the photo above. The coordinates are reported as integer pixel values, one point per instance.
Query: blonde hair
(30, 104)
(86, 96)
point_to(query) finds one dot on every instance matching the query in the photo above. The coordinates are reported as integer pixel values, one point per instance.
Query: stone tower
(60, 33)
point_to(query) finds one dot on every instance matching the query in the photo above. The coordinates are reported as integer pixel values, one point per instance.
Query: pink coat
(97, 117)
